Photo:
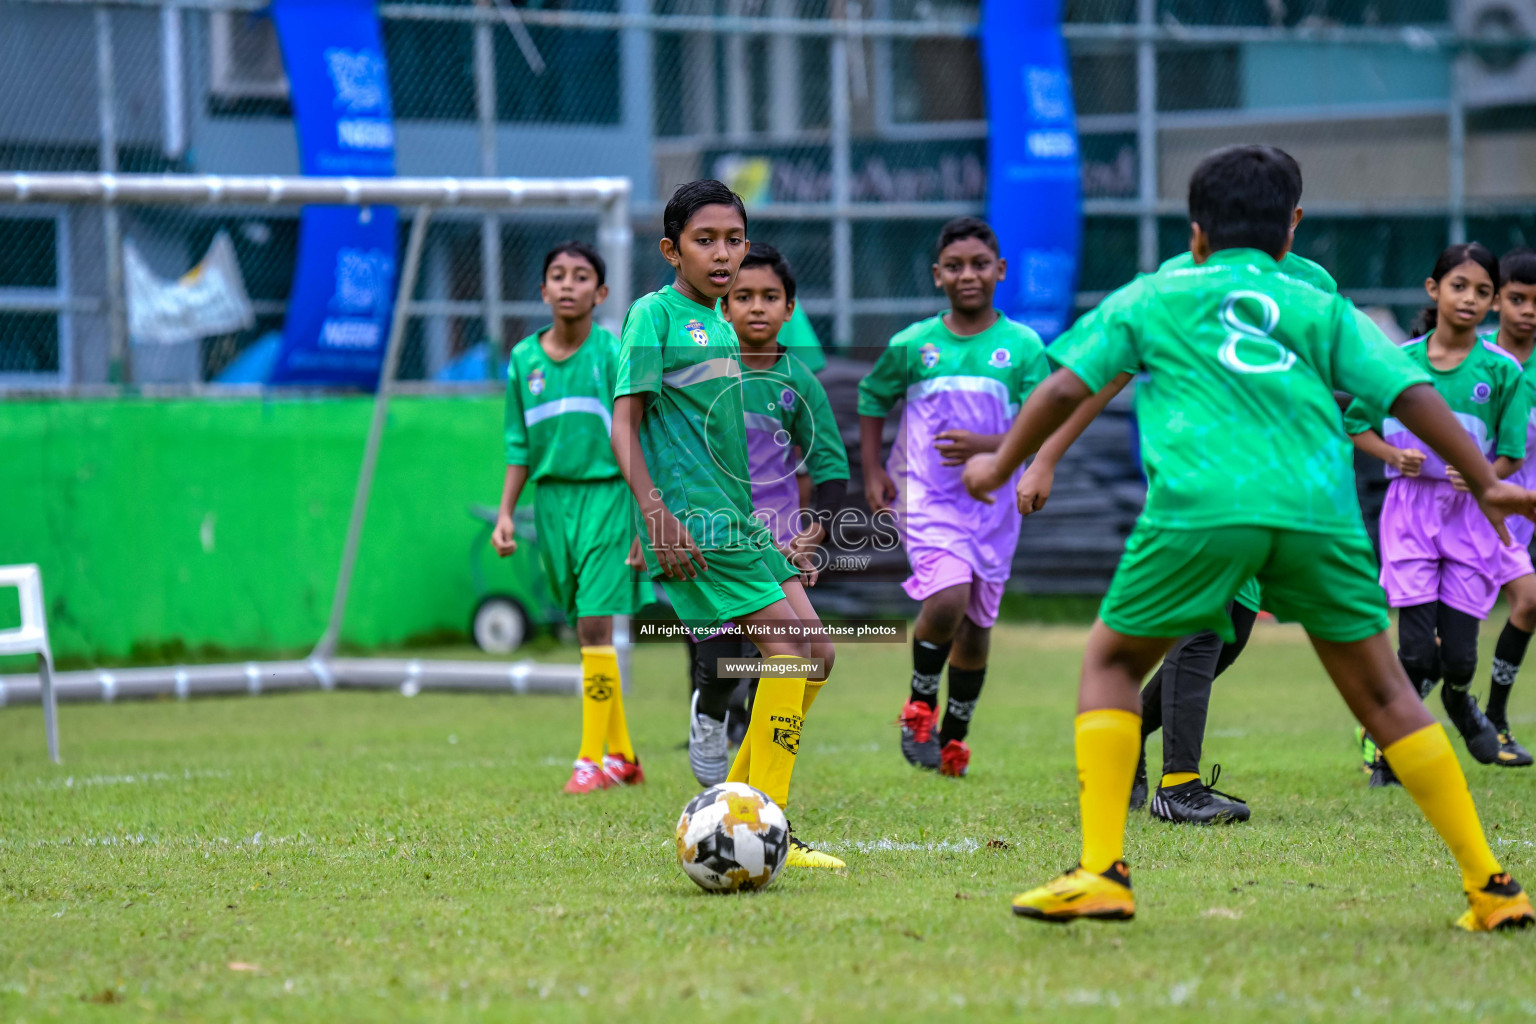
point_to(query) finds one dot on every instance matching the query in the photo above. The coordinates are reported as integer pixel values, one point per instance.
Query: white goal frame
(609, 198)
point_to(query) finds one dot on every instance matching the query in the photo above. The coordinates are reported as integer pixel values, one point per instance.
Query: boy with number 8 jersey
(963, 376)
(1242, 362)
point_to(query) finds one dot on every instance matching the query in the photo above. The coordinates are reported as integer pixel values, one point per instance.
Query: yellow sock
(774, 735)
(1427, 767)
(618, 724)
(599, 687)
(1178, 778)
(1108, 744)
(812, 691)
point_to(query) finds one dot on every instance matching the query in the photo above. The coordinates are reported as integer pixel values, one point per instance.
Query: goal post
(607, 198)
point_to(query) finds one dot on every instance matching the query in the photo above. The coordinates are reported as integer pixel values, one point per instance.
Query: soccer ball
(732, 838)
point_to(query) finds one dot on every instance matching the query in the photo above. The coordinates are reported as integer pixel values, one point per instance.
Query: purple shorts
(934, 569)
(1436, 545)
(1516, 561)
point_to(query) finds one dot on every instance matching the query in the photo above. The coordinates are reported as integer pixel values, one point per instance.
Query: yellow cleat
(1499, 904)
(1080, 893)
(803, 856)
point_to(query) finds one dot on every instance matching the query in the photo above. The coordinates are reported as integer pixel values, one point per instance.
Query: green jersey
(560, 412)
(683, 357)
(787, 408)
(1487, 391)
(1238, 420)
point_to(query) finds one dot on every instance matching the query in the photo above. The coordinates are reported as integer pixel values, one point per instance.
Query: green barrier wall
(218, 524)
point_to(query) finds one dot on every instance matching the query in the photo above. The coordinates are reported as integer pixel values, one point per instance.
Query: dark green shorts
(737, 582)
(585, 530)
(1171, 583)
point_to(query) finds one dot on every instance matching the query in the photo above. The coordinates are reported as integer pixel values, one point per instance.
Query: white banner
(209, 299)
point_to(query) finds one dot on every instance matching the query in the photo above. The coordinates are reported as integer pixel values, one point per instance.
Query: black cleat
(1481, 738)
(1382, 775)
(1198, 803)
(1139, 787)
(919, 735)
(1511, 753)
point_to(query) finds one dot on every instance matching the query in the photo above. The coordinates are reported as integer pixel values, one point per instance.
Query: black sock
(1508, 653)
(964, 688)
(927, 666)
(1458, 655)
(714, 692)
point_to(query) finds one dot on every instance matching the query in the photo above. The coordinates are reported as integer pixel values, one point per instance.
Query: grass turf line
(349, 856)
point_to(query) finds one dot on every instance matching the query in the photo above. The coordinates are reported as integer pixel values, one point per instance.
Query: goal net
(464, 274)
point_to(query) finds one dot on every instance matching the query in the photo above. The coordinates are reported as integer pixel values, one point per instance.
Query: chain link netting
(664, 91)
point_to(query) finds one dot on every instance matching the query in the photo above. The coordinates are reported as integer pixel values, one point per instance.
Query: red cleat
(587, 777)
(918, 744)
(954, 759)
(622, 772)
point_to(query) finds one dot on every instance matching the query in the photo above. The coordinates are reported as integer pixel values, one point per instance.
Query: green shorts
(738, 581)
(1171, 583)
(585, 530)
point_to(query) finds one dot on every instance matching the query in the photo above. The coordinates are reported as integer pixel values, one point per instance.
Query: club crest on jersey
(697, 332)
(787, 398)
(1001, 358)
(1481, 392)
(536, 382)
(930, 355)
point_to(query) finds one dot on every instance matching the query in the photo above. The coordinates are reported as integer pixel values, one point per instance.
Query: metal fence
(853, 127)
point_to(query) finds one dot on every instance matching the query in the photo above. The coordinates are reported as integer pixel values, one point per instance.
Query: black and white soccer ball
(732, 838)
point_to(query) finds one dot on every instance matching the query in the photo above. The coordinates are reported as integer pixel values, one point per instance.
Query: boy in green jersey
(1178, 696)
(559, 409)
(1249, 475)
(790, 430)
(679, 434)
(961, 377)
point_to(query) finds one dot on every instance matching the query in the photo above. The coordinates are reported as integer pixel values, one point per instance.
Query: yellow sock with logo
(774, 734)
(1108, 743)
(1426, 765)
(599, 687)
(1178, 779)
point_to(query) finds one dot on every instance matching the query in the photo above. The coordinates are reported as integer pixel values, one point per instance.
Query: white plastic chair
(32, 638)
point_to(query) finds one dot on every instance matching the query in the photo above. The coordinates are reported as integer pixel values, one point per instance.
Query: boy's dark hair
(1243, 197)
(576, 248)
(968, 227)
(1451, 257)
(1519, 266)
(764, 255)
(689, 199)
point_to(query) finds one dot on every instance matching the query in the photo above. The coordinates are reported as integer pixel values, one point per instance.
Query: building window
(34, 318)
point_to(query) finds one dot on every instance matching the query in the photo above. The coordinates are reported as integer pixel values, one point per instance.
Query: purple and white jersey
(786, 408)
(953, 382)
(1486, 392)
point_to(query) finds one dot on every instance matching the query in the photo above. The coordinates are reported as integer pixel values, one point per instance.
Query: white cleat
(708, 746)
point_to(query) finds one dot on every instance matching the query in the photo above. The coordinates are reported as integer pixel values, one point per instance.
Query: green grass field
(363, 856)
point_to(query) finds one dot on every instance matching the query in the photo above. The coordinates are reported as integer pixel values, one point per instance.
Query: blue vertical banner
(1034, 187)
(344, 281)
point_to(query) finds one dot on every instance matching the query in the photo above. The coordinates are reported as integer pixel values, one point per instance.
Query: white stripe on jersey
(562, 406)
(1471, 424)
(698, 373)
(958, 382)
